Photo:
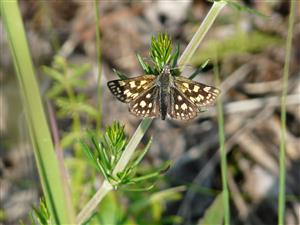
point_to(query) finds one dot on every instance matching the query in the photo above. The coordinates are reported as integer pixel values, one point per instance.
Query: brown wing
(129, 89)
(146, 105)
(198, 93)
(181, 108)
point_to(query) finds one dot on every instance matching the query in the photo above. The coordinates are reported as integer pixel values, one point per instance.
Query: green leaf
(41, 214)
(89, 155)
(53, 73)
(59, 62)
(243, 8)
(70, 138)
(141, 155)
(122, 76)
(142, 189)
(160, 50)
(215, 213)
(145, 177)
(80, 70)
(157, 199)
(145, 66)
(55, 90)
(175, 56)
(102, 156)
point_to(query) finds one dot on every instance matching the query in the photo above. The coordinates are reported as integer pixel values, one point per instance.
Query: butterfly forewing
(146, 105)
(129, 89)
(198, 93)
(181, 108)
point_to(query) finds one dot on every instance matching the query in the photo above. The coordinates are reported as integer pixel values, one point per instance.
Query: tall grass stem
(46, 161)
(105, 188)
(282, 171)
(223, 157)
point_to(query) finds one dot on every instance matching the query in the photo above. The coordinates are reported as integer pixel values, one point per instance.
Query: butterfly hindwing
(146, 105)
(129, 89)
(198, 93)
(181, 108)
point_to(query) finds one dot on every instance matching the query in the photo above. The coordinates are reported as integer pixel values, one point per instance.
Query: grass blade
(225, 193)
(281, 197)
(56, 198)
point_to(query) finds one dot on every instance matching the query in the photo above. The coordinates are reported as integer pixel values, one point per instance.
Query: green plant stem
(225, 192)
(201, 32)
(46, 161)
(282, 171)
(132, 145)
(145, 124)
(99, 87)
(90, 207)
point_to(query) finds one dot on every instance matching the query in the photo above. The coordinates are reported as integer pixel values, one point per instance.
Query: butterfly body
(164, 83)
(164, 95)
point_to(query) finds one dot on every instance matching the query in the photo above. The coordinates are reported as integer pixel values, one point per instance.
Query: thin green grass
(225, 192)
(56, 198)
(282, 171)
(99, 80)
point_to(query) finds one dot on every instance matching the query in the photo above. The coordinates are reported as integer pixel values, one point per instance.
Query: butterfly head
(166, 69)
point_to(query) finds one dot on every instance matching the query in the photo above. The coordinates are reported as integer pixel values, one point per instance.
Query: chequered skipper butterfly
(164, 95)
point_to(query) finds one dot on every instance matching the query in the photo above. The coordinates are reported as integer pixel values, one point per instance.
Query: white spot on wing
(184, 106)
(132, 84)
(134, 95)
(199, 97)
(207, 89)
(186, 85)
(143, 104)
(196, 88)
(128, 94)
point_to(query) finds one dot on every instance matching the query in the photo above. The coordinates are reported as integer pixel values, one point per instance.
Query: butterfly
(164, 95)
